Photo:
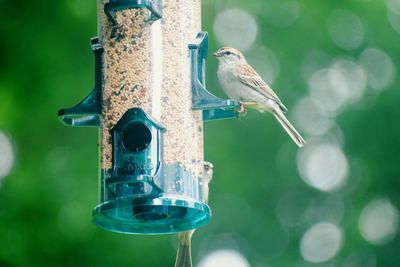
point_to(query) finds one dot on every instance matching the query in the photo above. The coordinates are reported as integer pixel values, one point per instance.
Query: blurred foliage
(46, 201)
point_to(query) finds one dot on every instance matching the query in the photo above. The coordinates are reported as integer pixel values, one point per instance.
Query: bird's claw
(242, 107)
(241, 110)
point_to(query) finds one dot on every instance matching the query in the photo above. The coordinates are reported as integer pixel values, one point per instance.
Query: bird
(208, 170)
(241, 82)
(184, 254)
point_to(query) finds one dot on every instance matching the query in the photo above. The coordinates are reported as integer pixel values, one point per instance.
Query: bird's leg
(248, 104)
(242, 107)
(241, 110)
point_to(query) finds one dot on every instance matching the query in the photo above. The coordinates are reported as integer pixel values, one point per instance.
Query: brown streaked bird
(241, 82)
(184, 254)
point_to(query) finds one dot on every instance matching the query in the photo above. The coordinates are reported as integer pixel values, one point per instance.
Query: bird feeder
(149, 103)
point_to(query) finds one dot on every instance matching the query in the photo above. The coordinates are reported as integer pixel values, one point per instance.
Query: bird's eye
(228, 53)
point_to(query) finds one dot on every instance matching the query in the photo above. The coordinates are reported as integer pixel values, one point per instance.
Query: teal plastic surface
(154, 6)
(87, 112)
(170, 202)
(137, 152)
(141, 194)
(214, 108)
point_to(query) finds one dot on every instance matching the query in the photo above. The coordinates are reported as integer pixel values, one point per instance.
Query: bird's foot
(242, 107)
(241, 110)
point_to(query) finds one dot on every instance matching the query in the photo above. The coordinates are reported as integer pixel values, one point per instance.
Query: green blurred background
(333, 203)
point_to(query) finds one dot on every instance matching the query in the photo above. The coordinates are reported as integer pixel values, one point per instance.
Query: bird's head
(229, 55)
(208, 171)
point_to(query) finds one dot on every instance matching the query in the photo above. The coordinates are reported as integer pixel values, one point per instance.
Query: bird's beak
(216, 54)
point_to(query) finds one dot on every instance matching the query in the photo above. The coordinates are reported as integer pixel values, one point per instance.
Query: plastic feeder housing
(151, 137)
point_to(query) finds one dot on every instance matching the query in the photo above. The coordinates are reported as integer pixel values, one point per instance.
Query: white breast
(230, 84)
(235, 89)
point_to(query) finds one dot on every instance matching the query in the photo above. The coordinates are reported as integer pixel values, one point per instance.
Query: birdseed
(129, 65)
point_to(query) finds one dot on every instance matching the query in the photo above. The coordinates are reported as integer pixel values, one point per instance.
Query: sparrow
(241, 82)
(184, 254)
(208, 170)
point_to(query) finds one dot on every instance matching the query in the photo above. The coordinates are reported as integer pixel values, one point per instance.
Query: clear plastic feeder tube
(151, 149)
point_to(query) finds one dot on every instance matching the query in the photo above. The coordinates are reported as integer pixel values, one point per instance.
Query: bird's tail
(289, 128)
(184, 254)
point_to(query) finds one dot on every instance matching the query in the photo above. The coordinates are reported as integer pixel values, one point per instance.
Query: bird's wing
(248, 76)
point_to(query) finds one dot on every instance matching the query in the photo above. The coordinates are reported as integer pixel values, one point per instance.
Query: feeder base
(163, 215)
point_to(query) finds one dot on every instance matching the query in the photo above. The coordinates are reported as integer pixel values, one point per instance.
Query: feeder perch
(214, 108)
(87, 112)
(149, 103)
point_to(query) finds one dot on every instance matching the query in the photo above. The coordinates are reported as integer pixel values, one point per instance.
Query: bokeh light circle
(224, 258)
(379, 221)
(7, 156)
(236, 28)
(329, 88)
(343, 82)
(354, 76)
(323, 166)
(360, 259)
(321, 242)
(282, 14)
(379, 67)
(327, 208)
(265, 62)
(394, 20)
(311, 117)
(393, 6)
(345, 29)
